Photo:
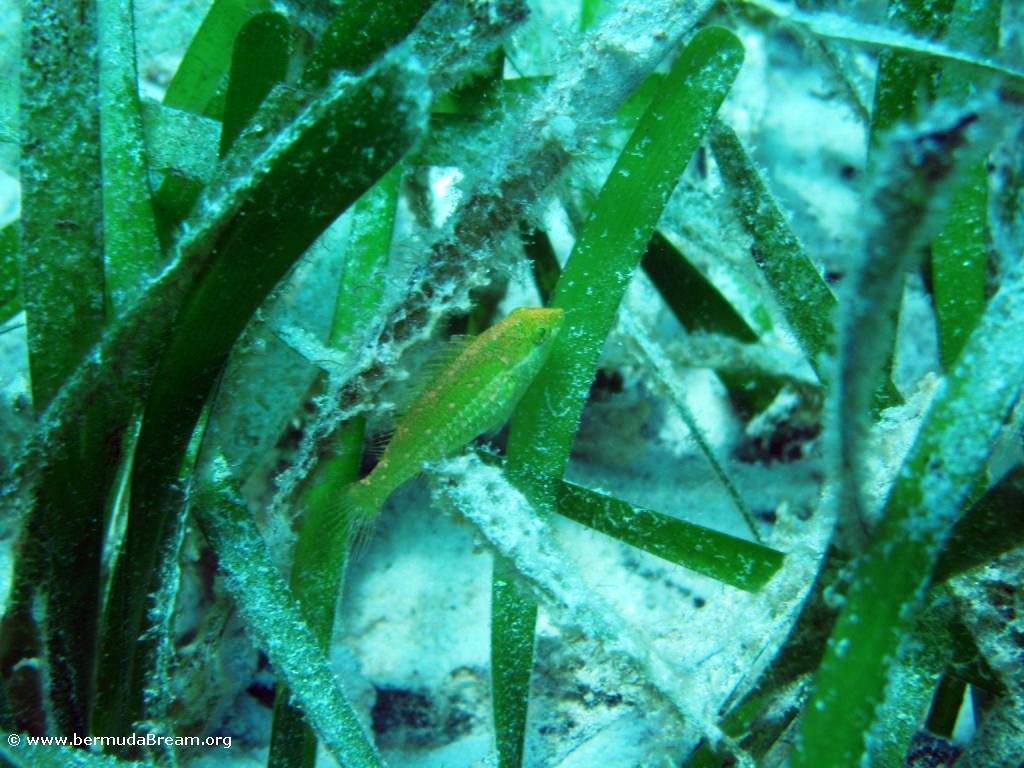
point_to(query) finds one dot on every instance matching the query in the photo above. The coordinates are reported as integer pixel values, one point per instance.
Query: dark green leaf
(260, 61)
(513, 618)
(801, 291)
(546, 269)
(62, 286)
(208, 59)
(276, 623)
(318, 562)
(939, 472)
(589, 291)
(693, 299)
(364, 129)
(993, 525)
(905, 81)
(132, 250)
(180, 142)
(959, 255)
(360, 32)
(10, 273)
(737, 562)
(612, 244)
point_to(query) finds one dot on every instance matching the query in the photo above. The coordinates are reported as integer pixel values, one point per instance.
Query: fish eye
(539, 335)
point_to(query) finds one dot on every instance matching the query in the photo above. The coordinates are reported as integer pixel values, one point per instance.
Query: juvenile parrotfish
(472, 394)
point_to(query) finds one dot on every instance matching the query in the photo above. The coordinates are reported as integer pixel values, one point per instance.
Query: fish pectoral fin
(428, 374)
(378, 442)
(359, 517)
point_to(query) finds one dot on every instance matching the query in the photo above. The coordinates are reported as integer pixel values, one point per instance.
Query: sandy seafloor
(412, 642)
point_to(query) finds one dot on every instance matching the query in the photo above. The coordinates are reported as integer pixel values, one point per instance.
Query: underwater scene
(512, 383)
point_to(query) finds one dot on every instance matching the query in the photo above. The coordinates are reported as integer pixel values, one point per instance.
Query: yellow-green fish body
(472, 394)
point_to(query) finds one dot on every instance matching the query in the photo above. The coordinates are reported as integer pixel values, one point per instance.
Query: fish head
(535, 328)
(530, 336)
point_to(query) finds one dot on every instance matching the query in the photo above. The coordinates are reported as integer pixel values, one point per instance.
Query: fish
(472, 394)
